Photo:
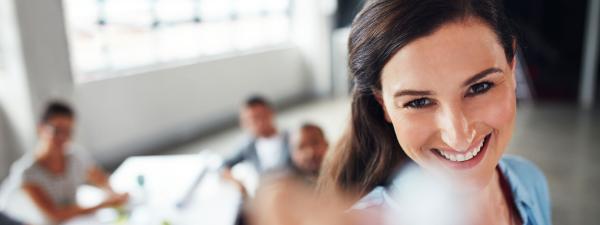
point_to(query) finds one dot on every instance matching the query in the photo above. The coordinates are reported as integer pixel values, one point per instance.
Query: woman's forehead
(456, 51)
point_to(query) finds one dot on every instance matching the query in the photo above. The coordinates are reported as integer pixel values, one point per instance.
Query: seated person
(309, 146)
(51, 179)
(267, 149)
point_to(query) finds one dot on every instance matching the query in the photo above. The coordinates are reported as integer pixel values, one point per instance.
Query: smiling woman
(434, 87)
(470, 97)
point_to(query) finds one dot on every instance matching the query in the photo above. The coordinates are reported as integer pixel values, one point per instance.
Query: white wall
(45, 50)
(313, 22)
(5, 148)
(17, 129)
(341, 78)
(127, 115)
(37, 65)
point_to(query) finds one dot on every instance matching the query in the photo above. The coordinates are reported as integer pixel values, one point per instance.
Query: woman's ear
(379, 99)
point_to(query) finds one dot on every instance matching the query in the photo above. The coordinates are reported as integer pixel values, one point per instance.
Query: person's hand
(288, 200)
(228, 176)
(116, 200)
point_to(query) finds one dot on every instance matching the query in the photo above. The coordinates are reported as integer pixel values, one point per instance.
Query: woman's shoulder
(529, 186)
(523, 174)
(27, 165)
(371, 208)
(376, 198)
(521, 168)
(32, 173)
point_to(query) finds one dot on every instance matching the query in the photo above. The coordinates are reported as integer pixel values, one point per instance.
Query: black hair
(308, 125)
(56, 108)
(256, 100)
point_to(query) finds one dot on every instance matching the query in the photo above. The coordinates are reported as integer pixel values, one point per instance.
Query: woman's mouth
(465, 159)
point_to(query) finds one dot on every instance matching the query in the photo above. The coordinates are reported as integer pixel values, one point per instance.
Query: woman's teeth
(461, 157)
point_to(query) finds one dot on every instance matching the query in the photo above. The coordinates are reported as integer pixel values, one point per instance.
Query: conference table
(167, 190)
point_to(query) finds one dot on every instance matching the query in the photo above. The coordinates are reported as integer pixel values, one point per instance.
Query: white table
(166, 181)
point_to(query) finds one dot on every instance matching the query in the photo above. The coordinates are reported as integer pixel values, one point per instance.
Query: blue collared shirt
(527, 183)
(530, 190)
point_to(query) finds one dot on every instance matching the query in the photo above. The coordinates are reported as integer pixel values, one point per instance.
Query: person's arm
(44, 203)
(227, 175)
(97, 177)
(237, 158)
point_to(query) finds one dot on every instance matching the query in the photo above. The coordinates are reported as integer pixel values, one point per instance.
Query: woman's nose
(455, 129)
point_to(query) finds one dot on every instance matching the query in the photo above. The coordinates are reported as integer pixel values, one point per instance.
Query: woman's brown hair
(369, 152)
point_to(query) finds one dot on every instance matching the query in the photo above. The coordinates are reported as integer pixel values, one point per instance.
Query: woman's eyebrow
(412, 92)
(474, 78)
(482, 74)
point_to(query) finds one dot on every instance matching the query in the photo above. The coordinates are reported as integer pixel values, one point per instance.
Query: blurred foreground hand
(289, 201)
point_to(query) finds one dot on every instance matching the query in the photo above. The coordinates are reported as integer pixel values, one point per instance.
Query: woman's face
(451, 99)
(56, 132)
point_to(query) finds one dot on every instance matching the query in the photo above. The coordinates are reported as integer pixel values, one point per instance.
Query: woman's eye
(418, 103)
(479, 88)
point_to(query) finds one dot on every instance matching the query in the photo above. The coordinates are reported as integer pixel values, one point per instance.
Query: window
(112, 35)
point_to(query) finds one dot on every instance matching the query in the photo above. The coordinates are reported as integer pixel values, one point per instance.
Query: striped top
(61, 189)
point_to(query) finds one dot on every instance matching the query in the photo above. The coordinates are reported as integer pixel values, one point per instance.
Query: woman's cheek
(497, 111)
(501, 110)
(413, 129)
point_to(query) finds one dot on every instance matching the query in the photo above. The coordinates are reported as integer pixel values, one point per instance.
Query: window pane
(130, 46)
(175, 10)
(215, 10)
(127, 12)
(88, 52)
(244, 8)
(108, 35)
(85, 43)
(276, 6)
(249, 32)
(178, 42)
(215, 37)
(277, 28)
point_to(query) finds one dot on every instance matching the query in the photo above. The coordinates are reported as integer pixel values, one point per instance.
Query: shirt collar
(521, 195)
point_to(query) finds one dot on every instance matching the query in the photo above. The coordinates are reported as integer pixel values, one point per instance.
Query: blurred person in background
(59, 167)
(434, 89)
(288, 200)
(288, 196)
(266, 148)
(309, 146)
